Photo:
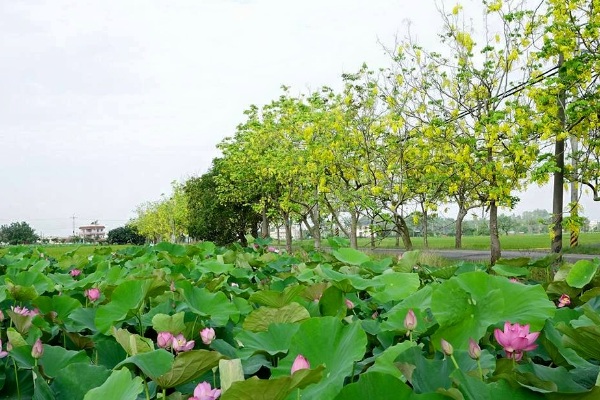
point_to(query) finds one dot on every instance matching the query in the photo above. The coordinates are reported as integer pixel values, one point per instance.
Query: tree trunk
(559, 177)
(462, 213)
(404, 233)
(425, 230)
(300, 231)
(335, 219)
(353, 226)
(264, 227)
(574, 206)
(494, 237)
(372, 233)
(316, 216)
(288, 232)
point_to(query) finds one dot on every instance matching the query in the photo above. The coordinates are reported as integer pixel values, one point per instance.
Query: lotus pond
(203, 322)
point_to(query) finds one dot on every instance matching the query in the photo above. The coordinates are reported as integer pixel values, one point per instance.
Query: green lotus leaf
(350, 256)
(275, 340)
(188, 366)
(217, 305)
(154, 363)
(377, 385)
(466, 305)
(395, 286)
(326, 341)
(582, 273)
(274, 388)
(120, 385)
(272, 298)
(56, 358)
(169, 323)
(260, 319)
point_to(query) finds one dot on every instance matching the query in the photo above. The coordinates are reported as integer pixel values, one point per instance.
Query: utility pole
(73, 218)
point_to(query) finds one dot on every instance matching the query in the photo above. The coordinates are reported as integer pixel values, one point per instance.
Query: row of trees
(500, 107)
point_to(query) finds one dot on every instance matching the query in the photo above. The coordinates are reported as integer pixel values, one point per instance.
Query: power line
(514, 90)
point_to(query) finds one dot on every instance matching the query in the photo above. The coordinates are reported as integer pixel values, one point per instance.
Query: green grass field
(589, 244)
(56, 251)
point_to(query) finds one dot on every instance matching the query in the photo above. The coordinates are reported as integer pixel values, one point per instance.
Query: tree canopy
(17, 233)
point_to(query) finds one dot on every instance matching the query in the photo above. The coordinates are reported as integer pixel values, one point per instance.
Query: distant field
(589, 244)
(56, 251)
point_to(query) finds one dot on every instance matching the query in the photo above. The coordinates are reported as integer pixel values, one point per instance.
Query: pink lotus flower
(1, 316)
(204, 392)
(410, 321)
(180, 344)
(75, 272)
(38, 349)
(207, 335)
(474, 349)
(349, 304)
(24, 311)
(272, 249)
(92, 294)
(300, 363)
(515, 339)
(2, 352)
(375, 315)
(164, 340)
(564, 300)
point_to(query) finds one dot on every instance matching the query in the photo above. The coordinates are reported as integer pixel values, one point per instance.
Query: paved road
(481, 255)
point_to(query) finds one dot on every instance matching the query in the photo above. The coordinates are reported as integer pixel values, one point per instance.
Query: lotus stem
(454, 361)
(17, 379)
(146, 389)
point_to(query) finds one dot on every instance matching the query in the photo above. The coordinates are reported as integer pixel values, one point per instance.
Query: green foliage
(273, 307)
(127, 234)
(214, 219)
(166, 219)
(17, 233)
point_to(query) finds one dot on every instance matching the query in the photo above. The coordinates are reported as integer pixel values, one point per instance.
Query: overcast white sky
(104, 103)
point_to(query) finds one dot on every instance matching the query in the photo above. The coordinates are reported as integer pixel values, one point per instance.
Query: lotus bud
(474, 349)
(93, 294)
(349, 304)
(164, 340)
(207, 335)
(300, 363)
(38, 349)
(410, 321)
(447, 348)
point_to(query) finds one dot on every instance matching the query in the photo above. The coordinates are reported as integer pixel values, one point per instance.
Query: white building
(93, 231)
